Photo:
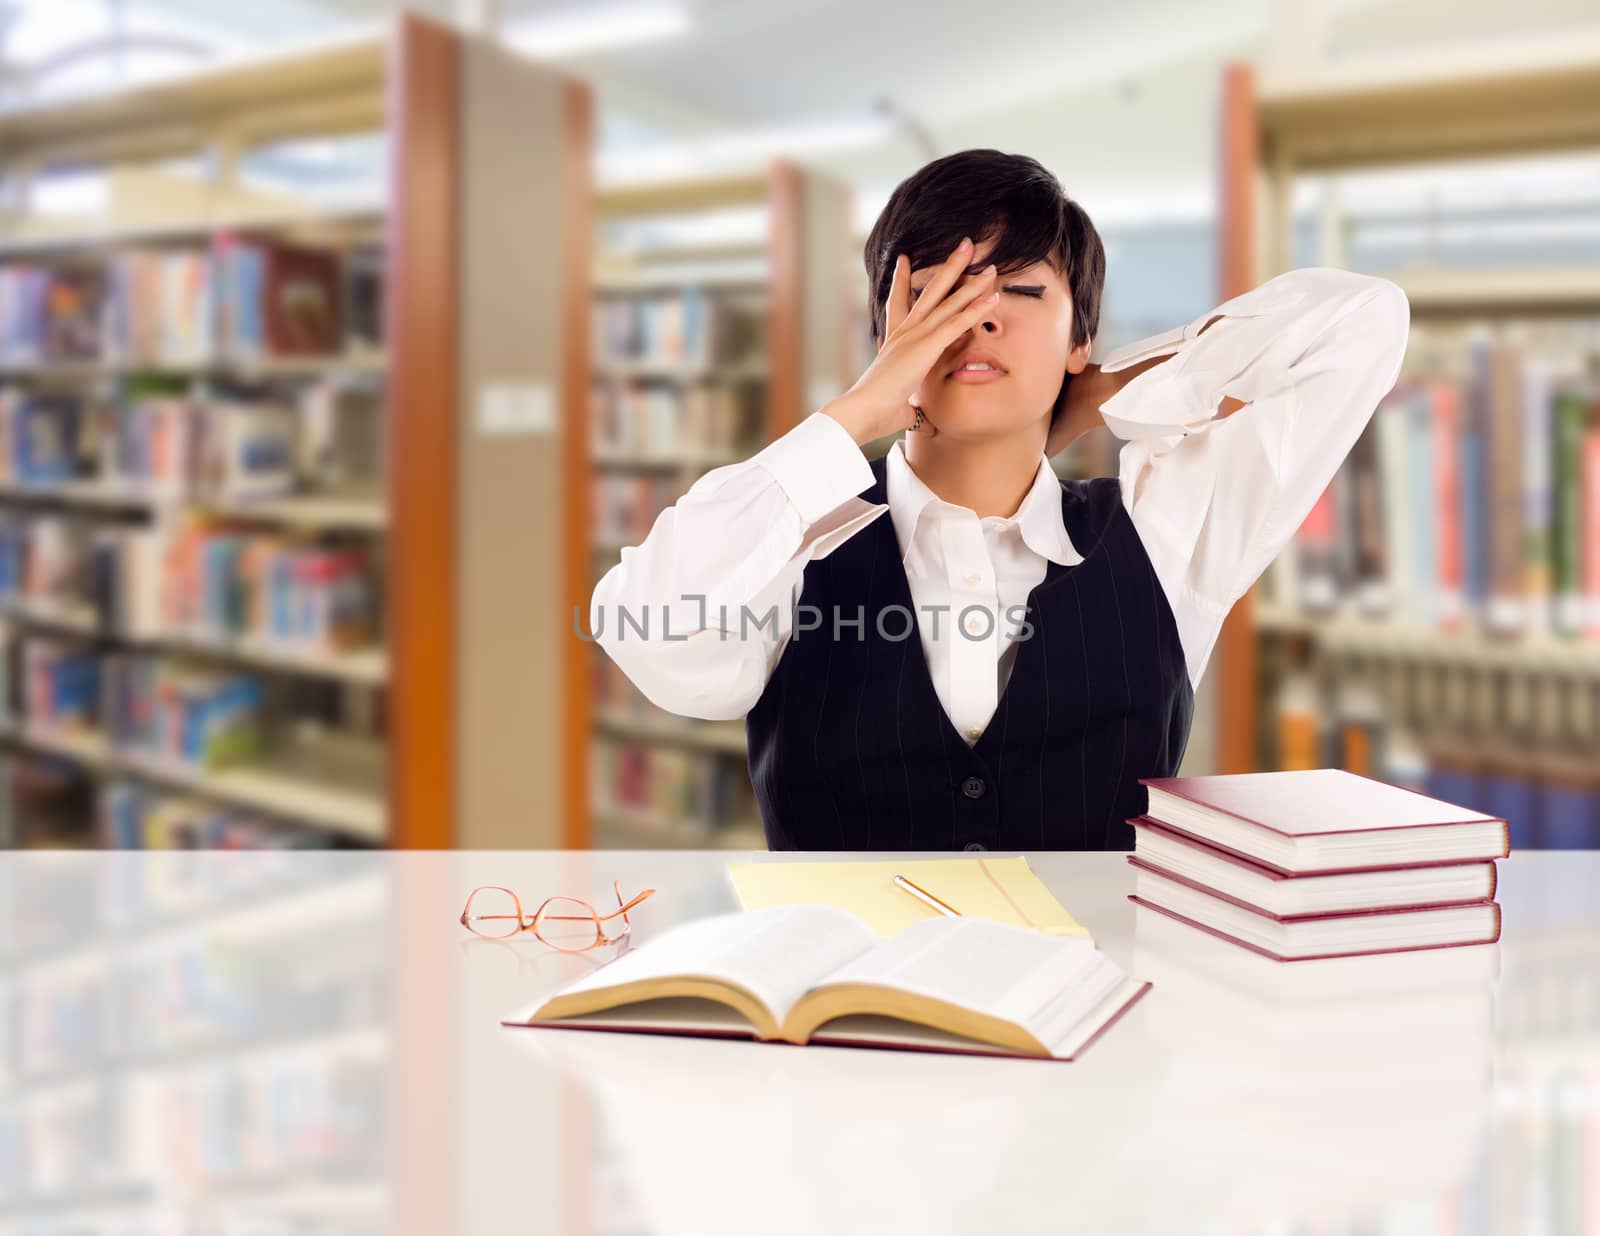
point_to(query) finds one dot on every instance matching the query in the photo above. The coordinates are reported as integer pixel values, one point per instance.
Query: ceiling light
(595, 27)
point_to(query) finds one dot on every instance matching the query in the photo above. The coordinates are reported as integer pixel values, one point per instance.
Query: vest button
(973, 846)
(973, 787)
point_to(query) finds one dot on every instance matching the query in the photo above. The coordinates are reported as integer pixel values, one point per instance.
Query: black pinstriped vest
(850, 748)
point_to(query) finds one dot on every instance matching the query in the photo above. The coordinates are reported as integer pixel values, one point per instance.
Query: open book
(818, 974)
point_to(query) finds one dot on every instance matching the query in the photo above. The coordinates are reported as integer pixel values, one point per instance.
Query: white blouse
(715, 583)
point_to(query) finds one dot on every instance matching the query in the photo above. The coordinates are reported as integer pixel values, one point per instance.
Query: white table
(1454, 1091)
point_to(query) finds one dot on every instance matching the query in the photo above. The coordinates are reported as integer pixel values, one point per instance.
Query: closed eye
(1035, 290)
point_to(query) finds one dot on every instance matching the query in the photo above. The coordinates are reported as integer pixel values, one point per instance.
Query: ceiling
(1071, 82)
(1115, 99)
(761, 62)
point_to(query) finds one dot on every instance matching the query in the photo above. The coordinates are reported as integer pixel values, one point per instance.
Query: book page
(677, 1014)
(1008, 972)
(776, 954)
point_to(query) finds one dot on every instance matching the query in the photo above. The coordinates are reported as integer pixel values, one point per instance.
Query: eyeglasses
(564, 923)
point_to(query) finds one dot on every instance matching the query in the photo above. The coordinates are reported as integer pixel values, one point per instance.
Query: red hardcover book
(1324, 820)
(1318, 936)
(303, 303)
(1258, 888)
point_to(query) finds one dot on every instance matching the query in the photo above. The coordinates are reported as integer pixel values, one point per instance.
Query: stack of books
(1317, 863)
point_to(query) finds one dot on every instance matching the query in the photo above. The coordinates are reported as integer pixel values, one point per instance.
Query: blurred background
(343, 347)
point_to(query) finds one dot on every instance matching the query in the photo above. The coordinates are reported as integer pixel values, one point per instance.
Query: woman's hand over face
(915, 337)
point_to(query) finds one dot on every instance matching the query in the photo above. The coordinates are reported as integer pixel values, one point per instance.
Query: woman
(997, 663)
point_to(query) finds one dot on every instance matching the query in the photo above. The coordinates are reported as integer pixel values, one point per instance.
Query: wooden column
(1239, 162)
(526, 249)
(577, 468)
(420, 317)
(785, 342)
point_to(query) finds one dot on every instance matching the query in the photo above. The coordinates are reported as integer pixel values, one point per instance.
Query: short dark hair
(975, 193)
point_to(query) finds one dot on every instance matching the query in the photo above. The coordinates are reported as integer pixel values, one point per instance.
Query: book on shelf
(52, 313)
(161, 308)
(38, 438)
(43, 801)
(1439, 531)
(1498, 390)
(147, 444)
(660, 419)
(1322, 820)
(815, 974)
(686, 327)
(1467, 502)
(74, 314)
(657, 783)
(160, 443)
(363, 303)
(245, 451)
(130, 816)
(1266, 891)
(278, 299)
(61, 682)
(203, 719)
(192, 580)
(241, 298)
(43, 560)
(1316, 936)
(142, 705)
(24, 310)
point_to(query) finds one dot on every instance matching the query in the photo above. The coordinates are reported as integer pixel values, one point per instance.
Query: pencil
(924, 896)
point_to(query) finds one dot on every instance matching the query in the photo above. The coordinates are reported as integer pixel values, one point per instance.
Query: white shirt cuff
(1158, 403)
(1132, 353)
(818, 464)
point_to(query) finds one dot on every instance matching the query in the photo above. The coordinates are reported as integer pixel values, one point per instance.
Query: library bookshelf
(1504, 699)
(295, 655)
(704, 352)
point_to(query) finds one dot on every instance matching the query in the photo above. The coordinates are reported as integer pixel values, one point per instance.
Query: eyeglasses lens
(493, 912)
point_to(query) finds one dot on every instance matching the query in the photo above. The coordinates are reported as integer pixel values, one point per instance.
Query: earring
(917, 422)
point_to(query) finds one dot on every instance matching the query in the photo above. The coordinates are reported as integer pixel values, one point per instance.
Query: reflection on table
(255, 1043)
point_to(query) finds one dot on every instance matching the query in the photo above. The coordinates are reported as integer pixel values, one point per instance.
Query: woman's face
(1027, 334)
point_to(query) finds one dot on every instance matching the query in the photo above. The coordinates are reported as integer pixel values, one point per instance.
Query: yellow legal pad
(1003, 889)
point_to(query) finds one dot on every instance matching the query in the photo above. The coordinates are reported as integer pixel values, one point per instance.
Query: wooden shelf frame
(1508, 97)
(276, 789)
(330, 86)
(364, 666)
(402, 79)
(1531, 96)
